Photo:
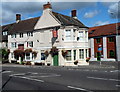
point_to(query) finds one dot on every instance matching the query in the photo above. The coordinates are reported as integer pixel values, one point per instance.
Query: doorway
(55, 60)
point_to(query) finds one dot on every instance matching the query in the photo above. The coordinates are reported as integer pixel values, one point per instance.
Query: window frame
(70, 55)
(111, 39)
(98, 40)
(21, 35)
(13, 36)
(81, 54)
(13, 44)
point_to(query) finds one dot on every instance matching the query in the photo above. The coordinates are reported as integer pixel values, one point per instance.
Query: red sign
(54, 33)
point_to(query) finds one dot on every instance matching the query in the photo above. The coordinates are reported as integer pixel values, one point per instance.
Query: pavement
(81, 78)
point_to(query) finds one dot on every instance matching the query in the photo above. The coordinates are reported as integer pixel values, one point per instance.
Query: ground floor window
(86, 53)
(27, 56)
(112, 54)
(74, 51)
(42, 55)
(68, 56)
(81, 53)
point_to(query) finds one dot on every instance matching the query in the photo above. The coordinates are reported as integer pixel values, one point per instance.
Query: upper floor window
(13, 36)
(29, 33)
(21, 35)
(80, 36)
(98, 40)
(4, 33)
(67, 35)
(112, 54)
(111, 39)
(30, 44)
(13, 45)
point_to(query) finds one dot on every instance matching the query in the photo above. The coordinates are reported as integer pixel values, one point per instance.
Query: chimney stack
(74, 13)
(18, 17)
(47, 6)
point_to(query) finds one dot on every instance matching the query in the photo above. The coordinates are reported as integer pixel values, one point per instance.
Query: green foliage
(4, 53)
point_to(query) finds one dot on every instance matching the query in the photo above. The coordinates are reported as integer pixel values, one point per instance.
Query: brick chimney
(47, 6)
(74, 13)
(18, 17)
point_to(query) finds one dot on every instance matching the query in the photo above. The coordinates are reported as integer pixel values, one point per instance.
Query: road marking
(79, 88)
(46, 76)
(103, 78)
(115, 71)
(17, 74)
(6, 71)
(32, 73)
(29, 78)
(117, 85)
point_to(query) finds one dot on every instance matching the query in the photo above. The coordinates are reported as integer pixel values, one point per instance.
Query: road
(59, 78)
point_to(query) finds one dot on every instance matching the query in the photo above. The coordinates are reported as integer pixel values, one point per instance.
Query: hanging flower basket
(28, 50)
(34, 53)
(76, 62)
(46, 53)
(64, 53)
(54, 51)
(19, 53)
(87, 59)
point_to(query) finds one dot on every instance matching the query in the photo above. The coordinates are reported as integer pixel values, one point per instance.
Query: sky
(90, 13)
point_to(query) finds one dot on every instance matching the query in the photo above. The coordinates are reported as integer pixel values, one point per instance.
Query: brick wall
(96, 45)
(111, 46)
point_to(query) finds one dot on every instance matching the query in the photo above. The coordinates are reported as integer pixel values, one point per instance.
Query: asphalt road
(59, 78)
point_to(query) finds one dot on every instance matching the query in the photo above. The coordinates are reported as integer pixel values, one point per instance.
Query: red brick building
(104, 42)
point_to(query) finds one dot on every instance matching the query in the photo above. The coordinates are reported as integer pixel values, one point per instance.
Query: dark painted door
(55, 60)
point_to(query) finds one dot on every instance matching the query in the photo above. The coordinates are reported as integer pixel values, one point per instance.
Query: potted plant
(87, 59)
(54, 51)
(34, 53)
(76, 62)
(46, 53)
(64, 53)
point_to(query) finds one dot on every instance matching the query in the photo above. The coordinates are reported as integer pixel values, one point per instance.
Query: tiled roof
(66, 20)
(28, 25)
(23, 26)
(104, 30)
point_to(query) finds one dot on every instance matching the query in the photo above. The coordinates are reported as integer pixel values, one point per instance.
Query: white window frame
(29, 43)
(70, 55)
(29, 34)
(81, 54)
(13, 36)
(67, 35)
(81, 35)
(13, 44)
(21, 35)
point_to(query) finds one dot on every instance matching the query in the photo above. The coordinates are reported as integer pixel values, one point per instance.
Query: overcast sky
(89, 13)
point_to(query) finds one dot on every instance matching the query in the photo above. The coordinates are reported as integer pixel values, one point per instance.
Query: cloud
(114, 10)
(28, 9)
(98, 23)
(91, 14)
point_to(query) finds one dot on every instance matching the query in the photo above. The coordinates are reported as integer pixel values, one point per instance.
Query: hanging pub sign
(54, 32)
